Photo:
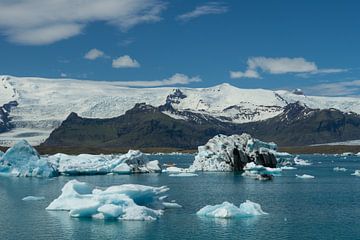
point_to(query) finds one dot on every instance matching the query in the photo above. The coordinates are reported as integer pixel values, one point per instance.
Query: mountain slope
(300, 125)
(44, 103)
(147, 126)
(142, 126)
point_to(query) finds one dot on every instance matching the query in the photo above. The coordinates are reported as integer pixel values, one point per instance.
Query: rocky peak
(142, 108)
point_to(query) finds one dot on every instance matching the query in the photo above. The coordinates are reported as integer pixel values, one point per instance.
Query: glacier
(122, 202)
(37, 115)
(229, 210)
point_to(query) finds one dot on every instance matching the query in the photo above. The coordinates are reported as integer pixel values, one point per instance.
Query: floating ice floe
(124, 202)
(356, 173)
(260, 172)
(345, 154)
(183, 174)
(131, 162)
(287, 168)
(305, 176)
(229, 210)
(301, 162)
(339, 169)
(177, 170)
(33, 198)
(218, 154)
(24, 161)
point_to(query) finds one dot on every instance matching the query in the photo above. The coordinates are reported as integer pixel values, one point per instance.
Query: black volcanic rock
(5, 124)
(142, 126)
(300, 125)
(149, 126)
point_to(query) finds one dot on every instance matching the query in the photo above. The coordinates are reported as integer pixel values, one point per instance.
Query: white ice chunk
(229, 210)
(287, 168)
(23, 160)
(126, 202)
(33, 198)
(305, 176)
(356, 173)
(301, 162)
(183, 174)
(339, 169)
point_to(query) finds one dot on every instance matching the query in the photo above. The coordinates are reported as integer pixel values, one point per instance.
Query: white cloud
(281, 65)
(247, 74)
(94, 54)
(176, 79)
(209, 8)
(345, 88)
(125, 62)
(37, 22)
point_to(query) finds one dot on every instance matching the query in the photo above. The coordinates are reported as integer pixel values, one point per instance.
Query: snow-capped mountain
(42, 104)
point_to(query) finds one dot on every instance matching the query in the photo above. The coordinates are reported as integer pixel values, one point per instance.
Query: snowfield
(45, 103)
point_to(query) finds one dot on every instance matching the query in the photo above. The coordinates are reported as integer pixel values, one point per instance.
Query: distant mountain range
(146, 126)
(103, 113)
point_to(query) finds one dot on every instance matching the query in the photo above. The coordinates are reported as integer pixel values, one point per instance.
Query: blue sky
(276, 44)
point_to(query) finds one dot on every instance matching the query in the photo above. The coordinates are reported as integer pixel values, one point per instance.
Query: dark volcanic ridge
(146, 126)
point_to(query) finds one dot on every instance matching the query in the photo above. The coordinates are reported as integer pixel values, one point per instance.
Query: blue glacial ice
(23, 160)
(123, 202)
(229, 210)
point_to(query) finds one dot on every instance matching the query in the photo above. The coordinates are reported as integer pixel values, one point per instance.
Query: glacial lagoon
(325, 207)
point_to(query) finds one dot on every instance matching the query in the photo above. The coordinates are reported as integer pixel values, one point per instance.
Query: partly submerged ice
(301, 162)
(183, 174)
(124, 202)
(229, 210)
(356, 173)
(33, 198)
(23, 160)
(217, 154)
(131, 162)
(339, 169)
(305, 176)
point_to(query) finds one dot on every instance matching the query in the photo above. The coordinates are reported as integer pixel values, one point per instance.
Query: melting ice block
(229, 210)
(125, 202)
(23, 160)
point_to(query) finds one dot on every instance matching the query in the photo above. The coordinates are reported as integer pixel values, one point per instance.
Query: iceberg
(23, 160)
(356, 173)
(132, 162)
(260, 172)
(1, 153)
(301, 162)
(123, 202)
(229, 210)
(183, 174)
(33, 198)
(231, 153)
(305, 176)
(339, 169)
(288, 168)
(177, 170)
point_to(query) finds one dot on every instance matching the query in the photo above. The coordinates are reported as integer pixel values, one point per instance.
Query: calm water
(326, 207)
